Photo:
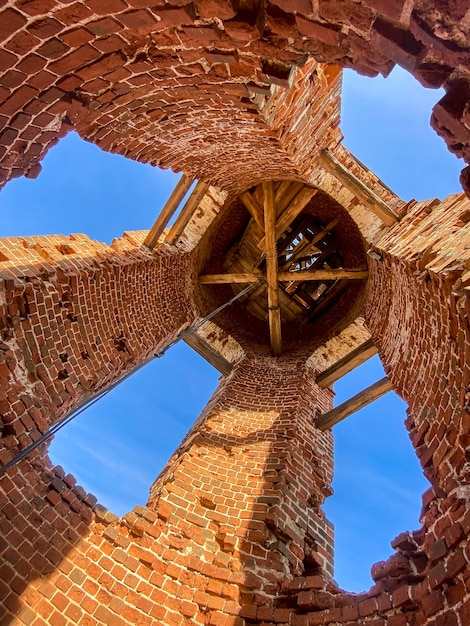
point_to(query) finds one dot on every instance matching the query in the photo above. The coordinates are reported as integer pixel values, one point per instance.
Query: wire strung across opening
(91, 401)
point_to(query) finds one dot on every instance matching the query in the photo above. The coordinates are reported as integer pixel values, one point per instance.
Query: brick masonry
(76, 316)
(234, 514)
(180, 83)
(233, 532)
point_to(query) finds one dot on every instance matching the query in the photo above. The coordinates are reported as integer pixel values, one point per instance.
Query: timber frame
(295, 255)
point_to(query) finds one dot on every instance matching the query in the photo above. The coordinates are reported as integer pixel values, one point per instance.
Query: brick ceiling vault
(243, 95)
(184, 84)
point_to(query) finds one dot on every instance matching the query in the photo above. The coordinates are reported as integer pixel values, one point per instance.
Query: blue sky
(118, 447)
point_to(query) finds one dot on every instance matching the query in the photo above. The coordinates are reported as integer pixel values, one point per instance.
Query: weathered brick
(174, 71)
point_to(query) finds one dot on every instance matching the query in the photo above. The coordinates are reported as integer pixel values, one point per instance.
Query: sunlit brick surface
(76, 316)
(183, 84)
(233, 532)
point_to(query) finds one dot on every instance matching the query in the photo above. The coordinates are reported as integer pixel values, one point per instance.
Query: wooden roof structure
(291, 255)
(292, 258)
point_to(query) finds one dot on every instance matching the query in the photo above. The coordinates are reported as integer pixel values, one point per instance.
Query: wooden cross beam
(290, 213)
(353, 359)
(210, 354)
(171, 205)
(357, 402)
(309, 247)
(187, 212)
(324, 274)
(284, 195)
(220, 279)
(370, 200)
(300, 276)
(274, 207)
(254, 208)
(330, 295)
(274, 312)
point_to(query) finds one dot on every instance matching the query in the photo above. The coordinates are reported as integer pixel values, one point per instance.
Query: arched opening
(385, 124)
(132, 218)
(378, 481)
(117, 448)
(82, 189)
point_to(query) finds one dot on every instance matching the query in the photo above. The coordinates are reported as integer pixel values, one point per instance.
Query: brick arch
(424, 336)
(57, 55)
(181, 84)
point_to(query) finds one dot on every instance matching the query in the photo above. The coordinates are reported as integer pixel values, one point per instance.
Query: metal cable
(91, 401)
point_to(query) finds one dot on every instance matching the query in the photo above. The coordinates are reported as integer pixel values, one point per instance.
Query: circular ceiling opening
(300, 254)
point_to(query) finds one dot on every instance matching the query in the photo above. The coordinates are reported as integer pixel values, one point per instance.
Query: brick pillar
(75, 316)
(251, 475)
(417, 311)
(232, 518)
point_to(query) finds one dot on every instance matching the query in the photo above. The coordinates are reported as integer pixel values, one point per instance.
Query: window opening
(378, 481)
(117, 448)
(385, 123)
(82, 189)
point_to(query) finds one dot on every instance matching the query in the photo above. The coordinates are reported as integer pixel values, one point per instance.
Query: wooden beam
(325, 274)
(287, 217)
(330, 295)
(204, 349)
(274, 313)
(309, 247)
(284, 195)
(171, 205)
(220, 279)
(371, 201)
(187, 212)
(293, 234)
(254, 293)
(295, 207)
(346, 364)
(253, 207)
(357, 402)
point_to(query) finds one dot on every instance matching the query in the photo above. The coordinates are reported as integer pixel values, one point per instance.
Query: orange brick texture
(75, 317)
(169, 82)
(233, 533)
(233, 516)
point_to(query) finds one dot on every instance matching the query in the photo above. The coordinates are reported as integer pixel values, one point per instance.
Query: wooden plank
(274, 313)
(347, 363)
(203, 348)
(187, 212)
(284, 195)
(357, 402)
(371, 201)
(324, 274)
(293, 234)
(253, 207)
(171, 205)
(254, 293)
(295, 207)
(220, 279)
(287, 217)
(327, 298)
(309, 247)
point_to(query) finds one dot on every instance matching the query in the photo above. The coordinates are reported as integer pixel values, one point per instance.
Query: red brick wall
(231, 518)
(181, 84)
(233, 533)
(423, 282)
(75, 316)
